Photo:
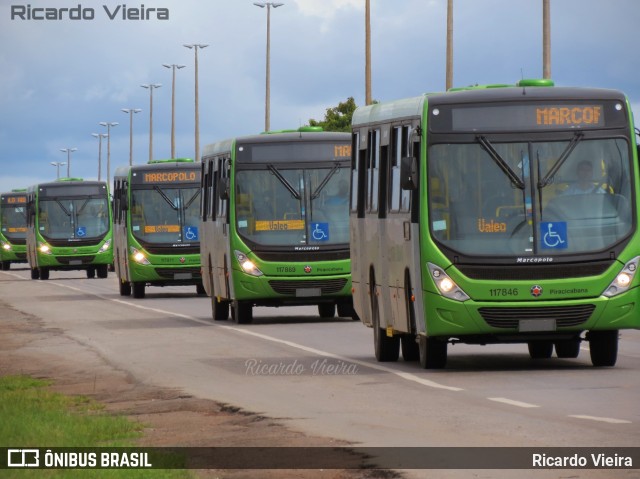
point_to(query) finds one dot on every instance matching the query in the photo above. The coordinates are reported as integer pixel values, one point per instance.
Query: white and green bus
(69, 227)
(502, 214)
(156, 221)
(13, 228)
(275, 223)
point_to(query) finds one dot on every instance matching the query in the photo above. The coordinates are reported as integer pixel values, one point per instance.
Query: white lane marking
(407, 376)
(511, 402)
(610, 420)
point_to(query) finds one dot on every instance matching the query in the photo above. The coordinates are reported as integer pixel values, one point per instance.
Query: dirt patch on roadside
(170, 417)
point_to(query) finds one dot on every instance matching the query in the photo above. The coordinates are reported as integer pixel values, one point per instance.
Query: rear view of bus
(157, 241)
(69, 227)
(13, 228)
(275, 219)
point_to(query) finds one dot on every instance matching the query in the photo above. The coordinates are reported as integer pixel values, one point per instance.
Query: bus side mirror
(408, 173)
(223, 188)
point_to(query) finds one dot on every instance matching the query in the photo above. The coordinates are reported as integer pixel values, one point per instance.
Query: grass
(34, 416)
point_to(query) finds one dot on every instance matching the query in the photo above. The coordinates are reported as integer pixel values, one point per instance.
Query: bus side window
(355, 141)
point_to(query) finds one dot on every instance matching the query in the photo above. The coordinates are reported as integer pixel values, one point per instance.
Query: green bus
(156, 225)
(13, 228)
(275, 222)
(496, 214)
(69, 227)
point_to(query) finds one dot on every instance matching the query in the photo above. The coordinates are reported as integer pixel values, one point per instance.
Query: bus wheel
(540, 349)
(102, 270)
(603, 347)
(242, 312)
(433, 353)
(35, 273)
(200, 289)
(125, 288)
(44, 273)
(220, 309)
(6, 265)
(410, 347)
(138, 289)
(345, 310)
(386, 348)
(91, 272)
(568, 348)
(327, 310)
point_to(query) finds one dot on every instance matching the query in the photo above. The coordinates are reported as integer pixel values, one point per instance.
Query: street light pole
(173, 106)
(99, 136)
(57, 164)
(150, 87)
(109, 125)
(68, 151)
(546, 39)
(131, 111)
(195, 47)
(367, 53)
(267, 100)
(449, 74)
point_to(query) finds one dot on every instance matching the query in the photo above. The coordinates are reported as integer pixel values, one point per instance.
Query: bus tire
(603, 347)
(433, 353)
(242, 312)
(91, 272)
(200, 289)
(220, 309)
(102, 271)
(540, 349)
(44, 273)
(410, 347)
(125, 288)
(387, 349)
(345, 310)
(6, 265)
(568, 348)
(138, 289)
(35, 273)
(327, 310)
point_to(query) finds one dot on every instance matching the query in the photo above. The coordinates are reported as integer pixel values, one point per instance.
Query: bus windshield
(162, 215)
(14, 221)
(536, 198)
(284, 206)
(73, 218)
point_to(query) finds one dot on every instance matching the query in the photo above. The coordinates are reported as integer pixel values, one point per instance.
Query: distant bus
(13, 228)
(504, 214)
(275, 223)
(69, 227)
(156, 221)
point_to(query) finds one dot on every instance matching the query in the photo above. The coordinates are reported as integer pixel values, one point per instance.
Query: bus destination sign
(168, 177)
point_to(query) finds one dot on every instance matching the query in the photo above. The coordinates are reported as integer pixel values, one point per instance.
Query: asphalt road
(320, 376)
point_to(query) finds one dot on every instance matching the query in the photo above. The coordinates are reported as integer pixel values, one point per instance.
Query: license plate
(182, 276)
(533, 325)
(307, 292)
(75, 262)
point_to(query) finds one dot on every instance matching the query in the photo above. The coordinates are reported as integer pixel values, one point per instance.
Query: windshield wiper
(325, 181)
(284, 181)
(495, 156)
(66, 212)
(563, 157)
(165, 197)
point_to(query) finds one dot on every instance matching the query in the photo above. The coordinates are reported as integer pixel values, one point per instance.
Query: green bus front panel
(80, 257)
(508, 308)
(11, 252)
(293, 282)
(166, 269)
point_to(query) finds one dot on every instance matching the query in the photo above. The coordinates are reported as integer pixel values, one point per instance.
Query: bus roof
(276, 137)
(413, 107)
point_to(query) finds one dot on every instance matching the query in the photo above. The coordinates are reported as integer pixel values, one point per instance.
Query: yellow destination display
(569, 116)
(279, 225)
(169, 177)
(12, 200)
(162, 229)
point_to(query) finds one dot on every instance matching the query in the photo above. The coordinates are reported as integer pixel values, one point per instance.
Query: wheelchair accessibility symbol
(553, 235)
(81, 232)
(190, 233)
(320, 231)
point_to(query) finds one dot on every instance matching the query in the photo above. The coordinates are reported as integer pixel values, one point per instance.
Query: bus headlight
(44, 248)
(447, 287)
(247, 265)
(105, 246)
(138, 256)
(623, 280)
(6, 246)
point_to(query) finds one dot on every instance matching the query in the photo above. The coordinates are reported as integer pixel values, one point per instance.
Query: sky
(60, 78)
